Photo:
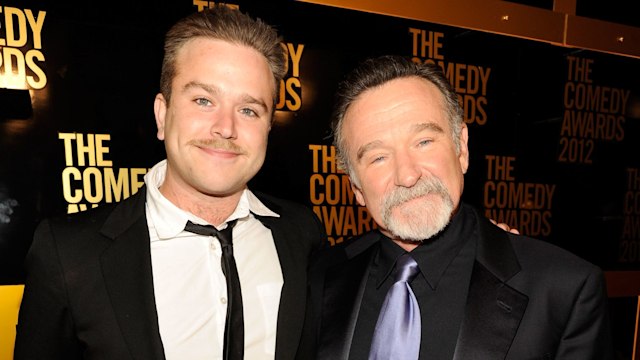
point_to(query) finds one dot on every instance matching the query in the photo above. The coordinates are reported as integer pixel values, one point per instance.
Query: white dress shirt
(190, 288)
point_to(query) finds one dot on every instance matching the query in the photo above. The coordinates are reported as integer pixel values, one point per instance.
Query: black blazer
(527, 300)
(89, 287)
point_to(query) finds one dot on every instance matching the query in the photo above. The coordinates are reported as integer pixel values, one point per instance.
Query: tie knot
(406, 268)
(208, 230)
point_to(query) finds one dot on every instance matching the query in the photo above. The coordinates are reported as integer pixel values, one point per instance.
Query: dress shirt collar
(169, 220)
(434, 255)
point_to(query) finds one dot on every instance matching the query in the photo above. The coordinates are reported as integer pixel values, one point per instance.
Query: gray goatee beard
(422, 219)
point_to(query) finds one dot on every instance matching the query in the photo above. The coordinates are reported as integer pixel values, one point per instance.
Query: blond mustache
(219, 144)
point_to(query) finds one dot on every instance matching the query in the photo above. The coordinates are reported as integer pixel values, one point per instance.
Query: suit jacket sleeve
(45, 326)
(587, 334)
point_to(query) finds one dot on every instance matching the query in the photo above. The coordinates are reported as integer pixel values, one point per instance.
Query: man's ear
(358, 192)
(160, 111)
(463, 156)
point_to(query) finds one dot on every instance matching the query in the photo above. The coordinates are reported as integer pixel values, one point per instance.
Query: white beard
(422, 218)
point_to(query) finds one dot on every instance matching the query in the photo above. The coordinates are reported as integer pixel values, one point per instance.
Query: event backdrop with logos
(554, 131)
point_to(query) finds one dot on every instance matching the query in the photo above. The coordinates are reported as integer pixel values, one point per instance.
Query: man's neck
(214, 209)
(406, 244)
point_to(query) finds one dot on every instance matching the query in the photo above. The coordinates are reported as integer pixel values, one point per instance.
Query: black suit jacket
(527, 300)
(89, 287)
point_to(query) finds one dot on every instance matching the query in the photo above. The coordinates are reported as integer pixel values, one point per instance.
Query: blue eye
(249, 112)
(202, 102)
(424, 142)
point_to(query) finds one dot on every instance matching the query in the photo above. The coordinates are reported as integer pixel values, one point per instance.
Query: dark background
(103, 65)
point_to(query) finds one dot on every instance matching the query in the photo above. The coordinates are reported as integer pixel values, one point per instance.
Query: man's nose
(407, 170)
(223, 124)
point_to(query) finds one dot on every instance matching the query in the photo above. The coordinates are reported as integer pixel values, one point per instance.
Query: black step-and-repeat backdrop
(555, 132)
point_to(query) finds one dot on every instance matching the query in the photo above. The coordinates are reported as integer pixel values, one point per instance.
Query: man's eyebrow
(213, 90)
(246, 98)
(367, 147)
(416, 128)
(427, 126)
(197, 84)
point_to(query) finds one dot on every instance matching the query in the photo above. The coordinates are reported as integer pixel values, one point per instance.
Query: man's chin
(416, 225)
(419, 235)
(417, 207)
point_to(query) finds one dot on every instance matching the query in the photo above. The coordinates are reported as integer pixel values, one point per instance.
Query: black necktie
(234, 325)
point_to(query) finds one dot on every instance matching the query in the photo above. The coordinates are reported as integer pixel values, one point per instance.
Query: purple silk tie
(397, 333)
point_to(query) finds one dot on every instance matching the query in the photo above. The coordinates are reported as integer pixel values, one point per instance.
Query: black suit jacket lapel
(292, 298)
(126, 267)
(342, 298)
(494, 309)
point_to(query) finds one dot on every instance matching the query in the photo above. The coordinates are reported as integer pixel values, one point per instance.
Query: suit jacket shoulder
(89, 289)
(112, 219)
(297, 229)
(552, 303)
(295, 214)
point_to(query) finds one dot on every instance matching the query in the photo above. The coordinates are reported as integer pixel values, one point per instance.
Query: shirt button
(223, 300)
